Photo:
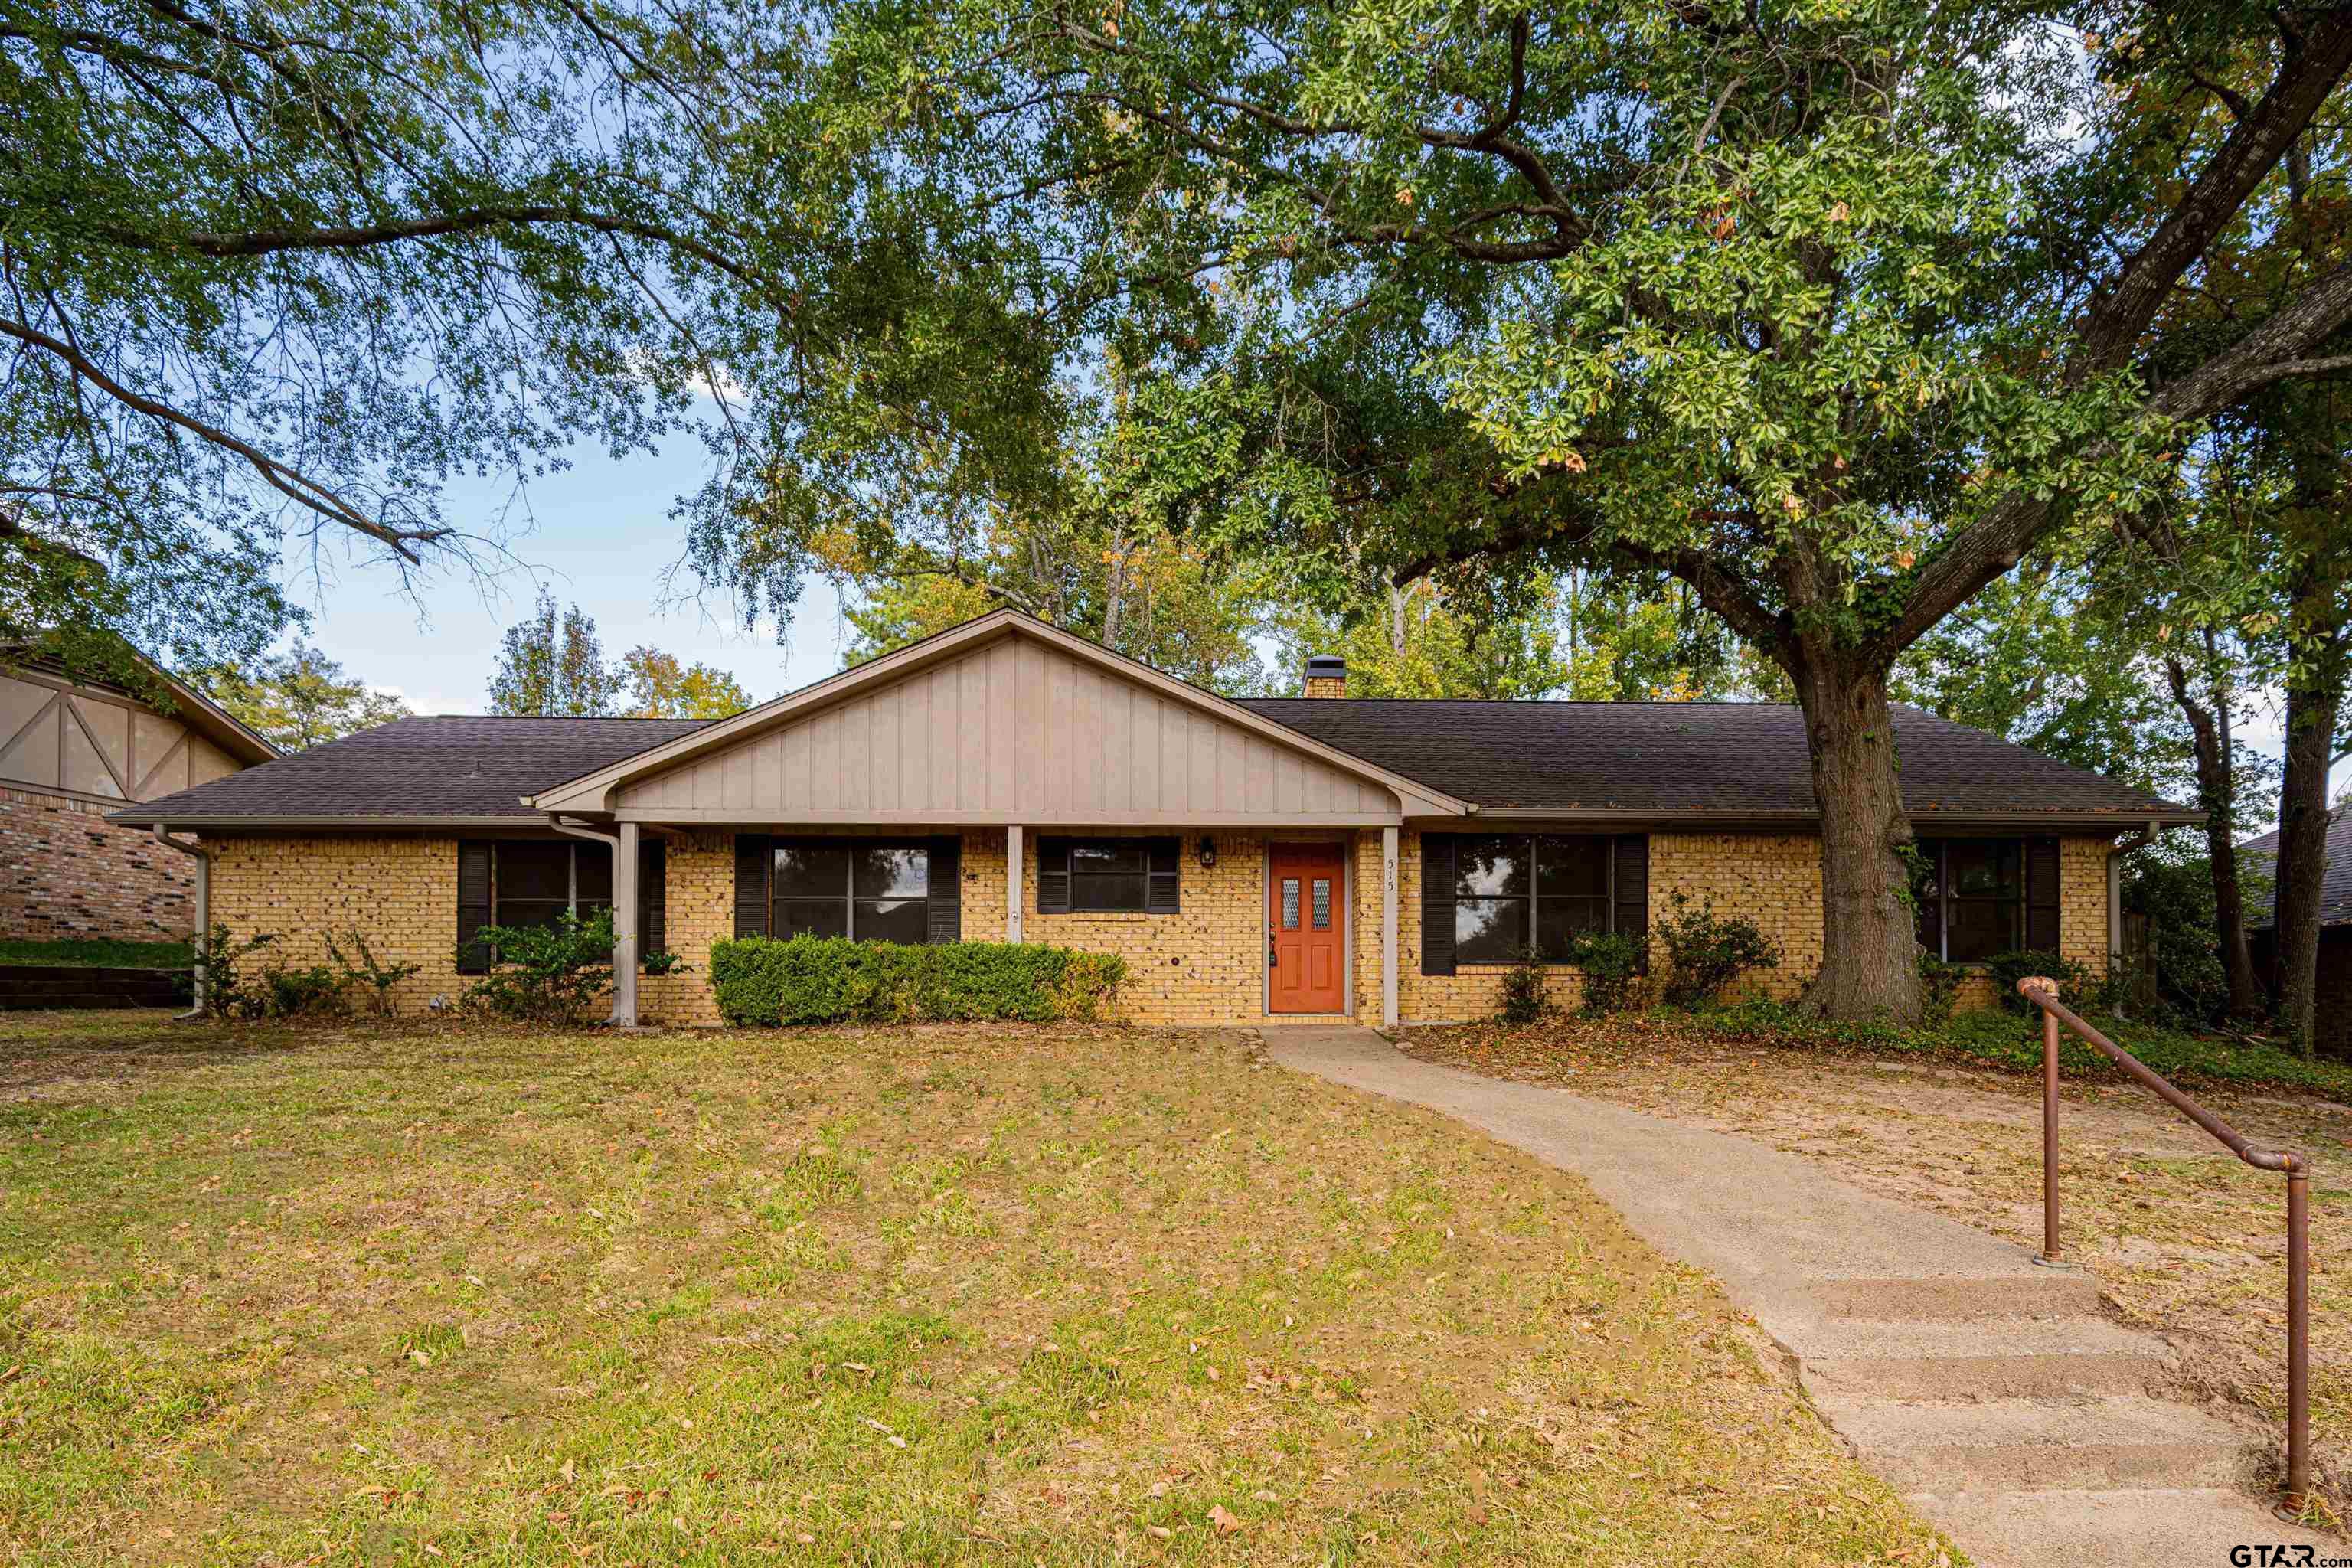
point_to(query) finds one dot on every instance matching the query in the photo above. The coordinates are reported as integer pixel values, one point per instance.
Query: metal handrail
(2043, 994)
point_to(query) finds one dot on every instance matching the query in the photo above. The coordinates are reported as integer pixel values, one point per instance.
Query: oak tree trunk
(2314, 707)
(1870, 943)
(2216, 792)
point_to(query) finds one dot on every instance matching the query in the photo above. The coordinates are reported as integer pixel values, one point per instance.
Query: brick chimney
(1327, 676)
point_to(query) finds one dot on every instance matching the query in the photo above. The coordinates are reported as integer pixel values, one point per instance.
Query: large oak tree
(1833, 312)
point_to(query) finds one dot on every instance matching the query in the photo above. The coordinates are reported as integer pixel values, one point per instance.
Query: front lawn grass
(1005, 1295)
(101, 954)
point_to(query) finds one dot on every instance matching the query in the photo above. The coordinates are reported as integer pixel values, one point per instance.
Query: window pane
(595, 863)
(812, 868)
(892, 870)
(534, 871)
(894, 920)
(1109, 855)
(810, 916)
(1111, 894)
(1572, 865)
(1322, 903)
(1982, 928)
(1560, 921)
(1927, 892)
(1490, 866)
(1489, 931)
(1984, 868)
(1290, 903)
(529, 912)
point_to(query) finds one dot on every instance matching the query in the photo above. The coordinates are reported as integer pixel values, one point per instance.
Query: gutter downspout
(625, 917)
(2115, 853)
(204, 915)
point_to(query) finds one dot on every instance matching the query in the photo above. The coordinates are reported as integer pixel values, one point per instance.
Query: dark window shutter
(652, 897)
(946, 873)
(1631, 915)
(1437, 903)
(473, 906)
(2042, 895)
(1167, 855)
(1052, 876)
(754, 861)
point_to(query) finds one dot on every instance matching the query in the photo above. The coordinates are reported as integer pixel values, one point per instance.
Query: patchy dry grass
(1052, 1296)
(2185, 1239)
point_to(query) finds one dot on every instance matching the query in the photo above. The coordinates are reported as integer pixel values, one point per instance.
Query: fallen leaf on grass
(1223, 1520)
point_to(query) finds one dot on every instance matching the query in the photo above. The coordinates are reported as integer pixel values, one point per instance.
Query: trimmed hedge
(826, 980)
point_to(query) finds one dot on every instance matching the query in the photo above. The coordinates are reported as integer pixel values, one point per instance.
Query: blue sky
(602, 535)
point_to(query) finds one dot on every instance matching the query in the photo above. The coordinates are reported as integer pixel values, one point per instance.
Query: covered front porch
(1219, 923)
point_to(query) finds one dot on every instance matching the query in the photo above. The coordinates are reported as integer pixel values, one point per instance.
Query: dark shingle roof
(1637, 758)
(1667, 758)
(2335, 890)
(446, 767)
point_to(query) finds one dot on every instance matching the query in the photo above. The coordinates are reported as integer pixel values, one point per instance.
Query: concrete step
(2038, 1293)
(2023, 1358)
(2137, 1527)
(2124, 1441)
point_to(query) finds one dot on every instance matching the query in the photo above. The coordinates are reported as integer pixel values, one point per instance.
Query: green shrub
(1940, 987)
(1612, 963)
(293, 993)
(549, 973)
(2008, 968)
(218, 956)
(826, 980)
(1707, 951)
(365, 969)
(1524, 1001)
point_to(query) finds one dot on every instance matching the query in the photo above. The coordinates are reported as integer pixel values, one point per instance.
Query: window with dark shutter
(1978, 897)
(473, 906)
(1437, 903)
(1052, 876)
(1110, 876)
(652, 897)
(1489, 898)
(946, 889)
(2042, 895)
(751, 884)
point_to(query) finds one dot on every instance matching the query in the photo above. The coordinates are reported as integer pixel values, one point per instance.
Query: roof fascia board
(593, 792)
(654, 816)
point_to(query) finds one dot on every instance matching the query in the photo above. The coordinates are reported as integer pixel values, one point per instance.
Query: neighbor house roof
(449, 770)
(2335, 890)
(1743, 760)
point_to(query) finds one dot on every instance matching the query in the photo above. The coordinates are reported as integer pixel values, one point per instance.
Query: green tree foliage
(275, 275)
(1832, 312)
(661, 686)
(298, 698)
(553, 665)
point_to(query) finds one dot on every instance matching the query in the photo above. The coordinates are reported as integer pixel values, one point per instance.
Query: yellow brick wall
(399, 892)
(1206, 965)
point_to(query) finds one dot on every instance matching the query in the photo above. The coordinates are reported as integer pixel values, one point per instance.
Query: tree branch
(290, 482)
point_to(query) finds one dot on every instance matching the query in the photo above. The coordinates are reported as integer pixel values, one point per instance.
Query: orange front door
(1306, 911)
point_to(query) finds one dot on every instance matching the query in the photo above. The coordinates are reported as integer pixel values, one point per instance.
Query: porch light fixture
(1208, 853)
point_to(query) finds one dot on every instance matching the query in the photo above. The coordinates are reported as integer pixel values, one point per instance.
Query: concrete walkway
(1996, 1394)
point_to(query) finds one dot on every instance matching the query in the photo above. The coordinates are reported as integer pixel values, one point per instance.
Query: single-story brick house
(1252, 859)
(72, 750)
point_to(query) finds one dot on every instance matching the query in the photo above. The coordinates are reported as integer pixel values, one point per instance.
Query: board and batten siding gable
(1016, 728)
(85, 742)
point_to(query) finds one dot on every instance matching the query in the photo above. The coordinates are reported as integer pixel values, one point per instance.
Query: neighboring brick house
(70, 751)
(2333, 1030)
(1251, 860)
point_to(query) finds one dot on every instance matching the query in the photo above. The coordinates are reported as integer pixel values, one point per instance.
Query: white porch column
(1388, 928)
(627, 940)
(1012, 883)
